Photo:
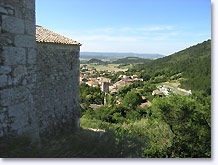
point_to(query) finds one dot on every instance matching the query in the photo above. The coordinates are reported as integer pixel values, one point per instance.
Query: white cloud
(124, 39)
(155, 28)
(106, 38)
(126, 29)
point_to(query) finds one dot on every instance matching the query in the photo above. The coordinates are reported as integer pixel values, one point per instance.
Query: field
(109, 67)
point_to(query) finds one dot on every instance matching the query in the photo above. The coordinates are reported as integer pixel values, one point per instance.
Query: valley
(154, 100)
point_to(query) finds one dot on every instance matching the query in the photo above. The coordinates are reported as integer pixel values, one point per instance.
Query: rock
(25, 41)
(11, 12)
(14, 55)
(12, 24)
(5, 69)
(3, 10)
(3, 80)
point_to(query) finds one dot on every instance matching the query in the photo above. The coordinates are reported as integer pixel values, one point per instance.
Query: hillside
(94, 60)
(193, 64)
(130, 60)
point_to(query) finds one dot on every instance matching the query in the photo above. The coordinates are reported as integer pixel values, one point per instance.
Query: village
(95, 78)
(89, 77)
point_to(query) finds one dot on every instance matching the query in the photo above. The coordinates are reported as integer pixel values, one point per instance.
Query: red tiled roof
(91, 82)
(45, 35)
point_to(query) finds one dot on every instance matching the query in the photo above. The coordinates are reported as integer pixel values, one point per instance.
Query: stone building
(39, 74)
(105, 87)
(57, 70)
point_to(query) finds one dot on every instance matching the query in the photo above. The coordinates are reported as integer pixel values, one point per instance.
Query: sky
(136, 26)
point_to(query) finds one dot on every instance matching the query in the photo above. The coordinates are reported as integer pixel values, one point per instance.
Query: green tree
(132, 99)
(123, 91)
(188, 120)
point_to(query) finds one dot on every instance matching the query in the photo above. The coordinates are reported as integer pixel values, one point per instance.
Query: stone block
(18, 73)
(30, 27)
(29, 4)
(17, 109)
(12, 96)
(2, 116)
(5, 69)
(5, 41)
(12, 3)
(25, 41)
(31, 56)
(3, 10)
(10, 12)
(3, 109)
(29, 14)
(10, 80)
(19, 13)
(3, 81)
(14, 56)
(12, 24)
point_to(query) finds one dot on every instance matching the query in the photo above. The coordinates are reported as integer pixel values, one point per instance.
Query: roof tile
(45, 35)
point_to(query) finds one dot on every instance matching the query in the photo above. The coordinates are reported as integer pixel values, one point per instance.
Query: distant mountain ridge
(94, 60)
(101, 55)
(131, 60)
(126, 60)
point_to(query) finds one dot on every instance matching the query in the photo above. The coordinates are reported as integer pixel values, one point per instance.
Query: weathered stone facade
(39, 82)
(57, 85)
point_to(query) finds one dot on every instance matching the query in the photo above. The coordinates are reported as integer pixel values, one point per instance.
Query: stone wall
(38, 89)
(56, 93)
(17, 58)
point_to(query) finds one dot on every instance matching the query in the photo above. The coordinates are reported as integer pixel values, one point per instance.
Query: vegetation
(97, 61)
(131, 60)
(73, 144)
(176, 126)
(193, 65)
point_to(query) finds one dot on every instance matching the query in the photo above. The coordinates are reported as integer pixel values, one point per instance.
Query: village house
(145, 104)
(134, 76)
(156, 92)
(164, 89)
(118, 85)
(101, 80)
(92, 83)
(105, 87)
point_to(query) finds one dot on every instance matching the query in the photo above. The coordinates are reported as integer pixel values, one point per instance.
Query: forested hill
(94, 60)
(193, 64)
(131, 60)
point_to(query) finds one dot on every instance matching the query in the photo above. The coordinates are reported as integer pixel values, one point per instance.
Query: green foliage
(116, 114)
(155, 134)
(175, 126)
(123, 91)
(90, 95)
(111, 100)
(188, 120)
(132, 99)
(131, 60)
(97, 61)
(193, 64)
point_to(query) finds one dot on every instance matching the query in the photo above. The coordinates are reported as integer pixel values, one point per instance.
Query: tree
(123, 91)
(188, 120)
(132, 99)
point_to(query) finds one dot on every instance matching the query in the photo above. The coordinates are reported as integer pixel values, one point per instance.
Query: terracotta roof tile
(45, 35)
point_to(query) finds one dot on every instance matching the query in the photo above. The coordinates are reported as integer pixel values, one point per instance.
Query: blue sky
(138, 26)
